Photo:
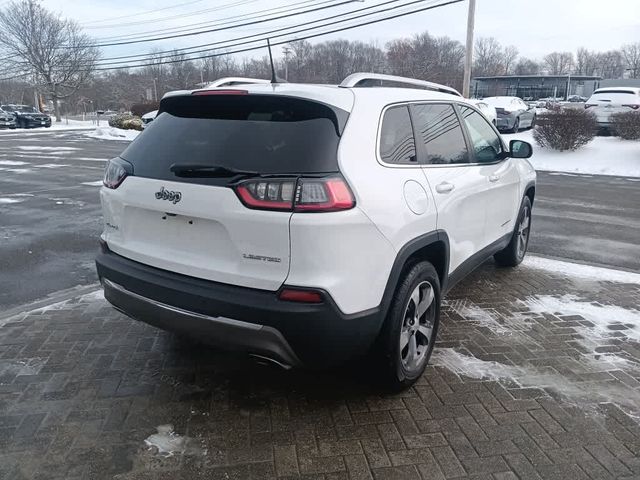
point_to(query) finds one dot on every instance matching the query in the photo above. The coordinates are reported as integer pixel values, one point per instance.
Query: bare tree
(509, 57)
(41, 44)
(559, 63)
(631, 55)
(488, 57)
(586, 62)
(610, 64)
(526, 66)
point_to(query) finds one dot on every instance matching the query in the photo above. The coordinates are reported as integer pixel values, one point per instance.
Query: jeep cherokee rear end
(206, 211)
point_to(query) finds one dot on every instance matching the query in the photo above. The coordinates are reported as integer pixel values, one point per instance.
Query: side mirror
(520, 149)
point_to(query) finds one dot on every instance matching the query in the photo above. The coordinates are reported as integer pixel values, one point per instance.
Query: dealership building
(534, 87)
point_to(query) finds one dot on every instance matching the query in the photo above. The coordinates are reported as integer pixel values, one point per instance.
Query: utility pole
(468, 58)
(155, 89)
(287, 51)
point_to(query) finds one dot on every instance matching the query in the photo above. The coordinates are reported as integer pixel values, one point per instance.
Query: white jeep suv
(308, 225)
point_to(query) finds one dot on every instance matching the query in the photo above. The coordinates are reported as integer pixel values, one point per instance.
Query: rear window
(617, 96)
(267, 134)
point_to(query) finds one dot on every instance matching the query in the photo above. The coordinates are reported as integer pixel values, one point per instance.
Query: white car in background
(147, 118)
(487, 110)
(606, 101)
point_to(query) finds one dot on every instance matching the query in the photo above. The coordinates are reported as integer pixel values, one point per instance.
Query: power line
(166, 37)
(283, 42)
(210, 23)
(143, 13)
(173, 17)
(189, 51)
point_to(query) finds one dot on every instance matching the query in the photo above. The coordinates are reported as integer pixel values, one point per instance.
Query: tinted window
(486, 143)
(267, 134)
(396, 138)
(441, 133)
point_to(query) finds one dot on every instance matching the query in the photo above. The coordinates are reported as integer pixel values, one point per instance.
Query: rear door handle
(494, 178)
(445, 187)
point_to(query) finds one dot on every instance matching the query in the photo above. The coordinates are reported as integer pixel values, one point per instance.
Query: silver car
(513, 113)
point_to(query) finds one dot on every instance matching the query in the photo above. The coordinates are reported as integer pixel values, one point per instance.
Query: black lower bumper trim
(319, 335)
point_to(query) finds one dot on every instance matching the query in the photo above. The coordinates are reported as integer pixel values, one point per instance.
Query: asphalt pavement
(50, 216)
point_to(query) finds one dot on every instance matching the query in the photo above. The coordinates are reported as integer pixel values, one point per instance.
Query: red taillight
(635, 107)
(300, 295)
(220, 92)
(115, 172)
(329, 194)
(323, 195)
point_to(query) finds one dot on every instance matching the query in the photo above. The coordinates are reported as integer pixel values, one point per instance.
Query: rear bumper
(237, 318)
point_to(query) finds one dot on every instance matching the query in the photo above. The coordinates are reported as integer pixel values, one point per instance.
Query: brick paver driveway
(535, 375)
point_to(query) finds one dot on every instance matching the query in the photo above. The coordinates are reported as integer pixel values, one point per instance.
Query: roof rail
(229, 81)
(355, 79)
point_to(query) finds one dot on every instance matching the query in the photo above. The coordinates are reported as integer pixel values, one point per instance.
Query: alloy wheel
(416, 334)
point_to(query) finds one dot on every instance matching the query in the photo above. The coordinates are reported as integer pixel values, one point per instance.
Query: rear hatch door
(190, 220)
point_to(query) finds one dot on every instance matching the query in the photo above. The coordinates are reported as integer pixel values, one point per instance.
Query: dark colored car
(27, 116)
(7, 120)
(513, 113)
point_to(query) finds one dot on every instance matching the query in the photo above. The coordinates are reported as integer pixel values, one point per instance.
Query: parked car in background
(487, 110)
(576, 99)
(606, 101)
(7, 120)
(513, 114)
(27, 116)
(240, 218)
(147, 118)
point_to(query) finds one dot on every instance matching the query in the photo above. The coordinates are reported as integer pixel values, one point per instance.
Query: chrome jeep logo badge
(173, 197)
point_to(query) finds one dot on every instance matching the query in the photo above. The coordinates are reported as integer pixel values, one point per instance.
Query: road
(50, 215)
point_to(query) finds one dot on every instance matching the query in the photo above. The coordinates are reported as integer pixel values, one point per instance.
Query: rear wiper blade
(203, 170)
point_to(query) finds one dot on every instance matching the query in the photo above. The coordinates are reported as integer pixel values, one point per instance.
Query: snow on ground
(580, 271)
(97, 183)
(55, 127)
(43, 149)
(110, 133)
(602, 156)
(597, 327)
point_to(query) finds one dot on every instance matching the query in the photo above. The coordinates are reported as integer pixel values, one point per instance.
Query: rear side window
(441, 133)
(396, 138)
(266, 134)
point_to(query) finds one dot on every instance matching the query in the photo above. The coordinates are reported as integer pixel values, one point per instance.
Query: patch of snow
(608, 320)
(51, 165)
(577, 270)
(12, 163)
(489, 318)
(33, 148)
(110, 133)
(9, 200)
(585, 394)
(54, 128)
(602, 156)
(97, 183)
(167, 443)
(16, 170)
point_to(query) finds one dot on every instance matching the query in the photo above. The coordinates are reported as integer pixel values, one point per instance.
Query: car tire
(513, 254)
(516, 125)
(408, 335)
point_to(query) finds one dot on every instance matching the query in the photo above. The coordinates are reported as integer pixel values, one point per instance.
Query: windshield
(267, 134)
(615, 97)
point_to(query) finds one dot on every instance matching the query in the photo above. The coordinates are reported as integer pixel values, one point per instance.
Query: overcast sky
(535, 27)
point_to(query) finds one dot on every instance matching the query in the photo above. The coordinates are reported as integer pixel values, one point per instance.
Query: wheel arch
(432, 247)
(530, 191)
